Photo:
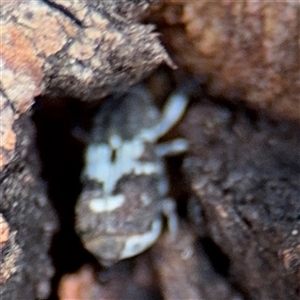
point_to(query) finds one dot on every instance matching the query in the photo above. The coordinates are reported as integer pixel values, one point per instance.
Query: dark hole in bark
(61, 156)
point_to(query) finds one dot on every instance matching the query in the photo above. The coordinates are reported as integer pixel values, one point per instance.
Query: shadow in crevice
(219, 261)
(61, 157)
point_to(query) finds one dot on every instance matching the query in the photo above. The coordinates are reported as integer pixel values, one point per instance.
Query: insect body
(119, 212)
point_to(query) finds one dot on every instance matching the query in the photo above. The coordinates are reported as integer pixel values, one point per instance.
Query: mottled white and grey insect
(125, 187)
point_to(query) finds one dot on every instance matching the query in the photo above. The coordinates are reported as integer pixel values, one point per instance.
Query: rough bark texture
(26, 268)
(84, 49)
(185, 272)
(245, 174)
(247, 50)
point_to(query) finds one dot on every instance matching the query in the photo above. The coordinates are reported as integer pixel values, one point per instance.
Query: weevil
(125, 186)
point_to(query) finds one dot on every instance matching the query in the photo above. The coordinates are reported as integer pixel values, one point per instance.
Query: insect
(125, 187)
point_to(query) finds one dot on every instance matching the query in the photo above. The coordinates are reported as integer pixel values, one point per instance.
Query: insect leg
(169, 211)
(172, 112)
(173, 147)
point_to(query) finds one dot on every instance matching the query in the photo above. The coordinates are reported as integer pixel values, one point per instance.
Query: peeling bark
(81, 49)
